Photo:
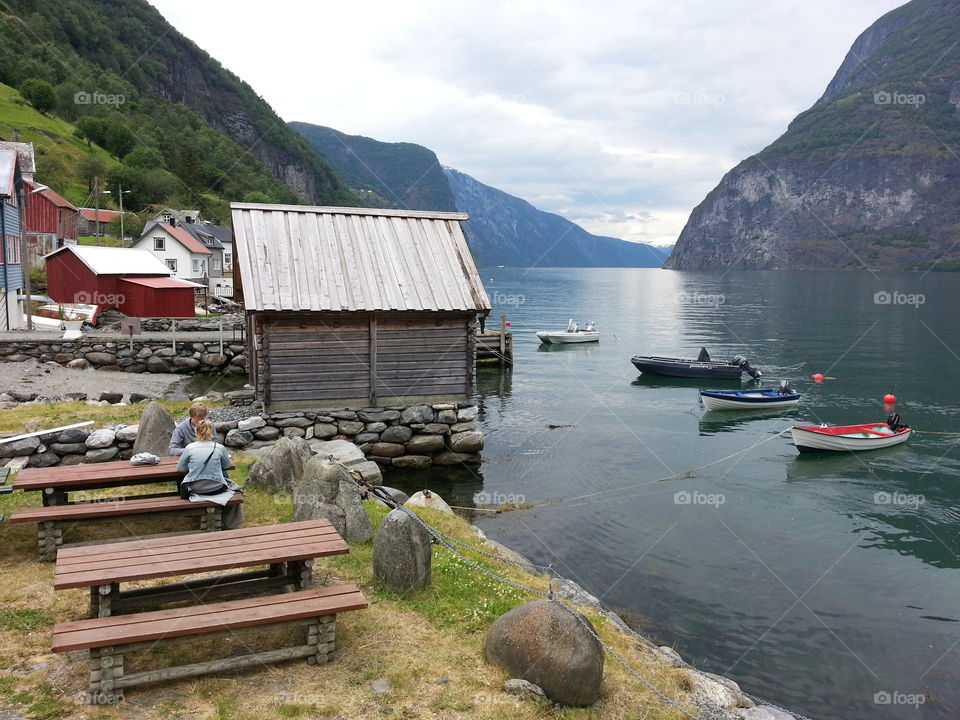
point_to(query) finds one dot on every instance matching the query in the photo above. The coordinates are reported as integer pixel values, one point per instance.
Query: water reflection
(716, 421)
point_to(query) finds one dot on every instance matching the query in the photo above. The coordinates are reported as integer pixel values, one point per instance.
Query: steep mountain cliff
(405, 175)
(505, 230)
(869, 177)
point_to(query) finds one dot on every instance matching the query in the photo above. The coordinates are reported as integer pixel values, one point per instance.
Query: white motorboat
(573, 334)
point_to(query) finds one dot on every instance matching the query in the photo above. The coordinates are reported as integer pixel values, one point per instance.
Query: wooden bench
(51, 519)
(109, 638)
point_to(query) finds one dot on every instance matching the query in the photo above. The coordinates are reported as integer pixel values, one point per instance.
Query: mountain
(404, 175)
(868, 177)
(135, 86)
(503, 229)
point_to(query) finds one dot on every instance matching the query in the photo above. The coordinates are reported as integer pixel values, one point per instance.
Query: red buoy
(889, 398)
(817, 377)
(507, 323)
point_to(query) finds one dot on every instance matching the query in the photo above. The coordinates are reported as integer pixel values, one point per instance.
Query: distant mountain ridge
(868, 177)
(502, 230)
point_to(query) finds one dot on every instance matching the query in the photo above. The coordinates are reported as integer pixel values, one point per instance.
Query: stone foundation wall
(418, 436)
(154, 356)
(415, 436)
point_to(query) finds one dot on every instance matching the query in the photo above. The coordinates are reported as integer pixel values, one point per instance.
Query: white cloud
(618, 115)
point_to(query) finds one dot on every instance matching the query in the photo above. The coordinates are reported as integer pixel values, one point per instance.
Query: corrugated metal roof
(116, 261)
(53, 196)
(295, 257)
(161, 282)
(92, 214)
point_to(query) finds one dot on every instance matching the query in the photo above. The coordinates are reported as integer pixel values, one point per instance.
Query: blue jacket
(195, 463)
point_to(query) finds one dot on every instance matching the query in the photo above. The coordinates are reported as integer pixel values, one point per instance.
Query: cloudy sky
(620, 116)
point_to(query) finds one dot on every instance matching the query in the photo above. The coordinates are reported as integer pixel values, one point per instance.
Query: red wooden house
(134, 282)
(49, 220)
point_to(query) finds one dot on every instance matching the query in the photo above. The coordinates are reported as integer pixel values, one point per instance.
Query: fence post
(173, 334)
(221, 335)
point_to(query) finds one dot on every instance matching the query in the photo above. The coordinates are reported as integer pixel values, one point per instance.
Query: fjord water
(828, 584)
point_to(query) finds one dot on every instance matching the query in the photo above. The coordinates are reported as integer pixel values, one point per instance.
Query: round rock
(401, 553)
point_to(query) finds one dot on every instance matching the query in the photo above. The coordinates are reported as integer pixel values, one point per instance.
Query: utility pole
(120, 192)
(96, 213)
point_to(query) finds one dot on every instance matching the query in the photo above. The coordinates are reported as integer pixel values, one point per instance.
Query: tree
(92, 129)
(145, 157)
(91, 167)
(40, 94)
(119, 140)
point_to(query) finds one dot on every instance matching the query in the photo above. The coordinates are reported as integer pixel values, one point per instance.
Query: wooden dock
(496, 346)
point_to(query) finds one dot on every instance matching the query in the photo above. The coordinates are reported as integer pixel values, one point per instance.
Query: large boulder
(281, 467)
(154, 430)
(467, 442)
(401, 553)
(550, 645)
(342, 451)
(712, 692)
(416, 414)
(396, 434)
(128, 433)
(424, 444)
(427, 499)
(99, 439)
(326, 484)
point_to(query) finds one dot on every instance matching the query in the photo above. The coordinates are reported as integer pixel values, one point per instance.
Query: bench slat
(162, 503)
(150, 567)
(183, 545)
(249, 612)
(245, 534)
(80, 475)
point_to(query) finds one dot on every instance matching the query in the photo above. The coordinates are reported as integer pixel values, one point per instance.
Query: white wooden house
(185, 256)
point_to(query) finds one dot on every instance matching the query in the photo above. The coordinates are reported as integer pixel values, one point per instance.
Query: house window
(216, 264)
(228, 259)
(172, 264)
(159, 243)
(197, 265)
(13, 250)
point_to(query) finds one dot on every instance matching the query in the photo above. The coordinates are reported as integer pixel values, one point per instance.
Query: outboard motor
(747, 367)
(895, 422)
(786, 388)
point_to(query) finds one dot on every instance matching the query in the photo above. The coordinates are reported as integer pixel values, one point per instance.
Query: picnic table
(56, 482)
(288, 549)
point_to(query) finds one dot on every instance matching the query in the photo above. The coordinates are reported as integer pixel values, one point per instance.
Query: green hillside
(181, 128)
(61, 156)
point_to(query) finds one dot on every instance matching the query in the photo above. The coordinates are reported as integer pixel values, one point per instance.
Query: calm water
(791, 574)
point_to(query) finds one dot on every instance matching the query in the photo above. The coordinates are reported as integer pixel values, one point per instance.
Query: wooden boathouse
(356, 307)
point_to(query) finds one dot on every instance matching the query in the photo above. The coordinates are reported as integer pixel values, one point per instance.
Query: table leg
(104, 599)
(49, 538)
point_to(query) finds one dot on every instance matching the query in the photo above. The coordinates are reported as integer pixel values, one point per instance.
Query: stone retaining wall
(418, 436)
(415, 436)
(154, 356)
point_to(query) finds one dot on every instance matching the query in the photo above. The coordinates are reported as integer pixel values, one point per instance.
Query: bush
(40, 94)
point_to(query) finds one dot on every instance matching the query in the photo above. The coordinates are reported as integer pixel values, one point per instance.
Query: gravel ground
(54, 380)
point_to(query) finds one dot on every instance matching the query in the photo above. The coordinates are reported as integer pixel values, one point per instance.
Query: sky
(619, 116)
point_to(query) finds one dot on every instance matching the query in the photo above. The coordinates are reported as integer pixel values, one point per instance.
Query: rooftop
(116, 261)
(295, 257)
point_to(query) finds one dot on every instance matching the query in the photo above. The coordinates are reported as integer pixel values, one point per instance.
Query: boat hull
(678, 367)
(564, 338)
(848, 438)
(747, 400)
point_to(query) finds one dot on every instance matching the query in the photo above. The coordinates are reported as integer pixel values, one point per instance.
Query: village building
(355, 307)
(90, 218)
(26, 156)
(50, 220)
(135, 282)
(11, 268)
(173, 216)
(219, 239)
(186, 257)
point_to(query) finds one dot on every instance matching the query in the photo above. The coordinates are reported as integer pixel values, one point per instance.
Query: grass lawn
(428, 644)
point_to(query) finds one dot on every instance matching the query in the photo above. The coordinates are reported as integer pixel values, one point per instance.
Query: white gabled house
(185, 256)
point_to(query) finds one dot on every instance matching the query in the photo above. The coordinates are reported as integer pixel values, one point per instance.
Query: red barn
(134, 282)
(50, 218)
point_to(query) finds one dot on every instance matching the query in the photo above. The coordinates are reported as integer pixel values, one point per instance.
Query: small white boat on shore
(573, 334)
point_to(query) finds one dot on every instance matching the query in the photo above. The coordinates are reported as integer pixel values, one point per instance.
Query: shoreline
(715, 694)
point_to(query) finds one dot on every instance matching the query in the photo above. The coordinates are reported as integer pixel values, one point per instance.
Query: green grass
(24, 620)
(29, 418)
(56, 148)
(105, 241)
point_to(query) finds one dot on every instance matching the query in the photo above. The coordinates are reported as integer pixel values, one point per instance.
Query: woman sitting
(204, 462)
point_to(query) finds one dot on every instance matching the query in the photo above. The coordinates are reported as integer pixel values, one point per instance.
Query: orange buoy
(817, 377)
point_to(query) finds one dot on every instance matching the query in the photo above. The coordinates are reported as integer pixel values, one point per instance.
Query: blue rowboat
(748, 399)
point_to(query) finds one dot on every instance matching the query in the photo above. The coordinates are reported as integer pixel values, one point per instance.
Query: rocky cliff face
(869, 177)
(505, 230)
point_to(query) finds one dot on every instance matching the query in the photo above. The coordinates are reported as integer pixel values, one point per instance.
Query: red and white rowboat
(847, 438)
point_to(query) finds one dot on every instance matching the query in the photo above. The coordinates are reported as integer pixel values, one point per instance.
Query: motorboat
(573, 334)
(850, 438)
(702, 367)
(782, 397)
